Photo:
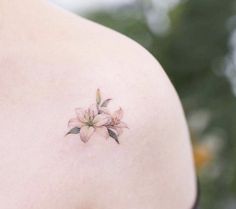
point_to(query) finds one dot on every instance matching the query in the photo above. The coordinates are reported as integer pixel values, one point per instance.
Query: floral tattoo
(97, 118)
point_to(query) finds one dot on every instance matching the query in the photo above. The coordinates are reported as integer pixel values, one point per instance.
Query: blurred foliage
(193, 53)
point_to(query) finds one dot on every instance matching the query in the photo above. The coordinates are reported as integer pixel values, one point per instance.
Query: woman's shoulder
(60, 71)
(154, 156)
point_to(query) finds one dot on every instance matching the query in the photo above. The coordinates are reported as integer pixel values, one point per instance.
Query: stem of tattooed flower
(99, 112)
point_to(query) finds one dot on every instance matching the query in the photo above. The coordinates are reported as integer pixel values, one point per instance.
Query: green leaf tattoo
(113, 135)
(74, 130)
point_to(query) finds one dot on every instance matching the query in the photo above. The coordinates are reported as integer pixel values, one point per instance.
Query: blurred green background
(195, 41)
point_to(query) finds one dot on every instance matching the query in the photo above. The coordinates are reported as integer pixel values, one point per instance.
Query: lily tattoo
(97, 118)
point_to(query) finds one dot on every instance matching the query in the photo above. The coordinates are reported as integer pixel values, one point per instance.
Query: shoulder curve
(151, 102)
(158, 139)
(90, 37)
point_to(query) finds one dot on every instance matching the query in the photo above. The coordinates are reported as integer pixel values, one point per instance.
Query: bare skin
(51, 62)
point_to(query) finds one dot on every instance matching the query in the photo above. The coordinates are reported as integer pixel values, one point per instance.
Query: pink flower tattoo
(97, 118)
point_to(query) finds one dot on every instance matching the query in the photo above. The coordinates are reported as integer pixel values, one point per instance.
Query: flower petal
(119, 131)
(102, 130)
(118, 114)
(101, 120)
(86, 132)
(74, 122)
(104, 110)
(121, 124)
(80, 112)
(93, 110)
